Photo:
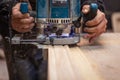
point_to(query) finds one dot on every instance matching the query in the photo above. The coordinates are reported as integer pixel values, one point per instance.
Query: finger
(100, 32)
(30, 26)
(29, 6)
(16, 12)
(85, 9)
(27, 20)
(99, 17)
(23, 29)
(93, 37)
(105, 28)
(88, 36)
(22, 21)
(97, 28)
(26, 29)
(17, 6)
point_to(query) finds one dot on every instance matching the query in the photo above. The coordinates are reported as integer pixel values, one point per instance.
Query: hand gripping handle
(90, 15)
(92, 12)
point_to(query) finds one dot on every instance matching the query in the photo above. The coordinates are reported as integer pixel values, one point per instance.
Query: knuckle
(87, 29)
(22, 21)
(96, 21)
(106, 21)
(31, 25)
(31, 19)
(103, 15)
(97, 29)
(104, 30)
(27, 26)
(14, 14)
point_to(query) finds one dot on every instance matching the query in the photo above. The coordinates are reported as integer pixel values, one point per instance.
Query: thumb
(85, 9)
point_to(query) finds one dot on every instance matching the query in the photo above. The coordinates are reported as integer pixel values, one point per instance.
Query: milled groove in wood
(86, 70)
(74, 63)
(52, 73)
(69, 64)
(64, 64)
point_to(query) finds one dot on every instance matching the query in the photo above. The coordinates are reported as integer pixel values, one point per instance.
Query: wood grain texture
(98, 61)
(70, 64)
(59, 65)
(86, 70)
(105, 53)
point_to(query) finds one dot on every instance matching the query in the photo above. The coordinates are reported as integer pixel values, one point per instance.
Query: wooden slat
(83, 65)
(69, 64)
(52, 73)
(99, 61)
(59, 64)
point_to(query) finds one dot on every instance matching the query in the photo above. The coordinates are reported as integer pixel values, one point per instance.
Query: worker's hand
(96, 26)
(21, 22)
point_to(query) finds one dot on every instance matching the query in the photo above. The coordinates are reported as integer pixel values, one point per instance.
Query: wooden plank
(82, 65)
(52, 73)
(105, 53)
(69, 64)
(59, 67)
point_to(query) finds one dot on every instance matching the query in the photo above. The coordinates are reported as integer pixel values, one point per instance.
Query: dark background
(112, 6)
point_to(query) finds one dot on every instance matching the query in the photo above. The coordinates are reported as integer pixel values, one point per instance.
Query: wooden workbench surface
(100, 61)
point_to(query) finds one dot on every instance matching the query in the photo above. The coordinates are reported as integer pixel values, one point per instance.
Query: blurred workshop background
(112, 14)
